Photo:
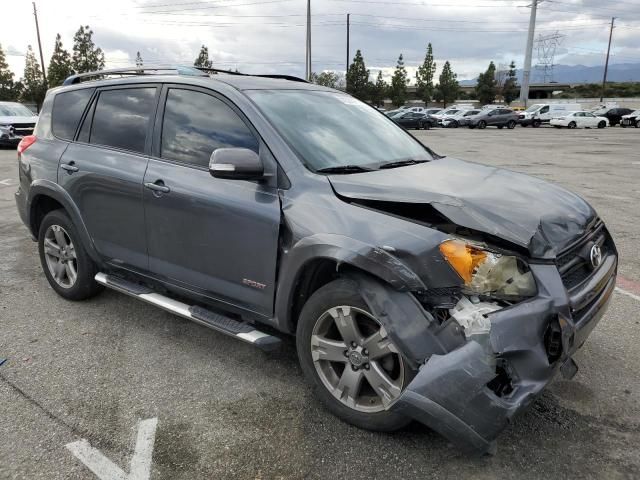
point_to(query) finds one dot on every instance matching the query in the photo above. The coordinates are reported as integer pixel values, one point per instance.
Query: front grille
(23, 129)
(574, 263)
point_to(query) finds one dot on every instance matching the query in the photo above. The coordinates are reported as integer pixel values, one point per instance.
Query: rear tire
(66, 264)
(511, 124)
(572, 125)
(344, 382)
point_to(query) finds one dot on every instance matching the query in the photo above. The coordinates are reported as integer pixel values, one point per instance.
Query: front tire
(602, 124)
(346, 355)
(482, 124)
(66, 264)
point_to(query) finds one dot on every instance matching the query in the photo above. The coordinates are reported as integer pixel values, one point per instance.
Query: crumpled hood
(523, 210)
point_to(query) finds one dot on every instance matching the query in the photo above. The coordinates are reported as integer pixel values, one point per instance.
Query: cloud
(268, 36)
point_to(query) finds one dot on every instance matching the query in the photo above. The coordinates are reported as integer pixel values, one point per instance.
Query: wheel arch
(316, 260)
(46, 196)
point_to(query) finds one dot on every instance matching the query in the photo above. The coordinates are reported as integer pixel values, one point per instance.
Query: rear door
(103, 171)
(214, 236)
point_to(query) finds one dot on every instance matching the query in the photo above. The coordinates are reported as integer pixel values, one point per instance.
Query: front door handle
(69, 167)
(157, 186)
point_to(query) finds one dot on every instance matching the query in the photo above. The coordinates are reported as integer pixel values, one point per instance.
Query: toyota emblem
(596, 256)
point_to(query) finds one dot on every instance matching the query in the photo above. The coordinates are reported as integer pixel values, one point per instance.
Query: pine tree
(139, 62)
(424, 77)
(358, 78)
(59, 65)
(448, 88)
(34, 90)
(327, 78)
(86, 56)
(510, 90)
(486, 88)
(203, 58)
(8, 88)
(379, 90)
(398, 90)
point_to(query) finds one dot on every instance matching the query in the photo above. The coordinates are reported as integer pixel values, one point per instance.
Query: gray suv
(497, 117)
(418, 287)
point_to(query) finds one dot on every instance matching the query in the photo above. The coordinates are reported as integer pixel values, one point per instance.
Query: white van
(541, 113)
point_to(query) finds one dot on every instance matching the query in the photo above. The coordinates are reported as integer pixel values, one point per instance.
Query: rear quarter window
(67, 111)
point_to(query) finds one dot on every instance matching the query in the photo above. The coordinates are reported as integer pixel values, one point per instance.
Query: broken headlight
(489, 273)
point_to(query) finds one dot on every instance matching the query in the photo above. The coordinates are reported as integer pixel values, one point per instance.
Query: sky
(268, 36)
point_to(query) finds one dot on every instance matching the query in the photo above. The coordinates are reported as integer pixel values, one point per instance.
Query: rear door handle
(158, 186)
(69, 167)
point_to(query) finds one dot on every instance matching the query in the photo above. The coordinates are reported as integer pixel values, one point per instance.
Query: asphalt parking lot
(94, 370)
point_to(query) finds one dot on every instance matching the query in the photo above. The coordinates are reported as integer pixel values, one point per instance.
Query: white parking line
(105, 469)
(628, 294)
(6, 182)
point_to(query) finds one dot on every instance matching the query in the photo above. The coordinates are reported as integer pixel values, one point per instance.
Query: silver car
(16, 121)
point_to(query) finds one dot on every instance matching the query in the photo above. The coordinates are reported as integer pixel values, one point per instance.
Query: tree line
(84, 57)
(493, 84)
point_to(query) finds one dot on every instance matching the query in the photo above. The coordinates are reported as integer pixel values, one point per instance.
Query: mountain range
(620, 72)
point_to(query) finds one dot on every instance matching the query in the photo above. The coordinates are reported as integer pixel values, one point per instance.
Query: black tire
(637, 124)
(511, 124)
(482, 124)
(427, 125)
(84, 285)
(454, 124)
(338, 293)
(572, 125)
(602, 124)
(536, 123)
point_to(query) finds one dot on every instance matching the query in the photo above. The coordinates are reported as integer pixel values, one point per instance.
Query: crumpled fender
(412, 329)
(345, 251)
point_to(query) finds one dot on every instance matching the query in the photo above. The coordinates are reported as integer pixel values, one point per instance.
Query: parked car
(417, 286)
(614, 115)
(541, 113)
(579, 120)
(460, 119)
(500, 117)
(16, 122)
(445, 113)
(631, 119)
(414, 120)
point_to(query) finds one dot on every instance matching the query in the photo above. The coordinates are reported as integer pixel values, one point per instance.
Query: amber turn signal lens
(462, 257)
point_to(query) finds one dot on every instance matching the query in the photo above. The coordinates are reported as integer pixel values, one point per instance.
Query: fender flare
(52, 190)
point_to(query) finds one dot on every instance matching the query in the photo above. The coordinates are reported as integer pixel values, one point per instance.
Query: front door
(104, 169)
(214, 236)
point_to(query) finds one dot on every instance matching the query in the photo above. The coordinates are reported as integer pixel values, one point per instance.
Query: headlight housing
(489, 273)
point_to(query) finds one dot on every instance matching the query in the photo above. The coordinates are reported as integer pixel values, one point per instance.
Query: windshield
(15, 110)
(328, 129)
(534, 108)
(450, 112)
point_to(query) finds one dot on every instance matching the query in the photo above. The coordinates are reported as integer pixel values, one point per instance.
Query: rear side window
(121, 118)
(195, 124)
(67, 110)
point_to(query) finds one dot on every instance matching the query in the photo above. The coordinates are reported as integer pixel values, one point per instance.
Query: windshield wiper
(344, 169)
(401, 163)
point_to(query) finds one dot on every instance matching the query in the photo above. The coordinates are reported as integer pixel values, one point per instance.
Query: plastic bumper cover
(455, 393)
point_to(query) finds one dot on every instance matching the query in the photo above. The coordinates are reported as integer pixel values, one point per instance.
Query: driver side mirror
(235, 164)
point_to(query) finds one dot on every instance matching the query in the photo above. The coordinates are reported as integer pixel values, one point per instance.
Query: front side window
(329, 129)
(122, 117)
(67, 110)
(195, 124)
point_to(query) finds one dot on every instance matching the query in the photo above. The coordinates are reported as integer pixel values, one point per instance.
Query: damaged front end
(483, 359)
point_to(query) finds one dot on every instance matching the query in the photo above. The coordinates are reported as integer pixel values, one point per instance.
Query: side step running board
(229, 326)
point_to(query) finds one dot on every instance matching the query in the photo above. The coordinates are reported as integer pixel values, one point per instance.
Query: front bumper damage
(469, 390)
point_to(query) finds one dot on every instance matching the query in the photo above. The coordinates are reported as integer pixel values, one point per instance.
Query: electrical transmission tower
(546, 46)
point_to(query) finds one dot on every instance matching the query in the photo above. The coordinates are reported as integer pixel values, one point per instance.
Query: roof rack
(159, 70)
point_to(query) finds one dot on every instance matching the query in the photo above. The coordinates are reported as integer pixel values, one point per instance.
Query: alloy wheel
(60, 255)
(356, 360)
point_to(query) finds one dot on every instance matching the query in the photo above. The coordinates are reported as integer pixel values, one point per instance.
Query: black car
(631, 119)
(615, 115)
(415, 120)
(417, 286)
